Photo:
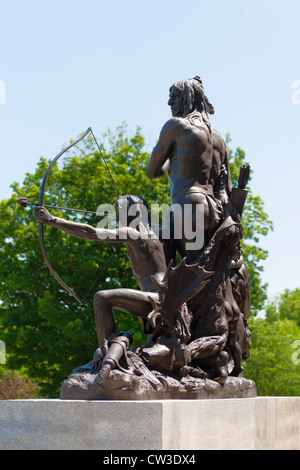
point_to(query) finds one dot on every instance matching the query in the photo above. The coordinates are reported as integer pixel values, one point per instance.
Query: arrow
(23, 201)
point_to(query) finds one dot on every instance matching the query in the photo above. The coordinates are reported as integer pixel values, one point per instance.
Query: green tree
(274, 363)
(46, 332)
(286, 305)
(256, 223)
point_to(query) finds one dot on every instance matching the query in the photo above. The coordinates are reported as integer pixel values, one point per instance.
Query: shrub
(13, 386)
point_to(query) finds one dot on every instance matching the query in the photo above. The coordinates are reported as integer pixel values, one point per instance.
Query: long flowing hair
(196, 105)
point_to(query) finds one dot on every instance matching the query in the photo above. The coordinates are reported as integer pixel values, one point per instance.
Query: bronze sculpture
(195, 313)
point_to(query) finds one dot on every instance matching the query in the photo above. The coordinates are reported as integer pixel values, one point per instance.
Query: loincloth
(215, 207)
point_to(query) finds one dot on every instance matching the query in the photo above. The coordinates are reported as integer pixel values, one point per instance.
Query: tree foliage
(287, 305)
(256, 223)
(274, 362)
(46, 332)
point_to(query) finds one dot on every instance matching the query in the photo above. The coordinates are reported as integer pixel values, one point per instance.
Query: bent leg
(131, 301)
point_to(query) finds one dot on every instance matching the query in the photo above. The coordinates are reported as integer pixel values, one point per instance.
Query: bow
(41, 226)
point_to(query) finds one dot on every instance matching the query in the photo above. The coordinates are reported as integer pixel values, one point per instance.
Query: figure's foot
(103, 374)
(237, 372)
(99, 356)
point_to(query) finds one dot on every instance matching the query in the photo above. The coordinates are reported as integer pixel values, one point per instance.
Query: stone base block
(260, 423)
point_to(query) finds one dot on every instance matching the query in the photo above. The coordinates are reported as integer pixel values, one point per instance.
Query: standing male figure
(196, 158)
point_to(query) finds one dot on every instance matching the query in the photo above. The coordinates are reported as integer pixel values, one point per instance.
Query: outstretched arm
(159, 162)
(79, 230)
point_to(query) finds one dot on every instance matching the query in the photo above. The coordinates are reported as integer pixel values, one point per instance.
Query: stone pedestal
(230, 424)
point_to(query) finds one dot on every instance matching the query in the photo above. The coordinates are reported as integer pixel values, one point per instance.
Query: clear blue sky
(68, 65)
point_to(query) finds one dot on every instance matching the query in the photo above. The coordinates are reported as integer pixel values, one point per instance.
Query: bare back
(196, 154)
(191, 160)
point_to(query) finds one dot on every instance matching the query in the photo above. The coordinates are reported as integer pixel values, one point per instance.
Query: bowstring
(115, 249)
(107, 167)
